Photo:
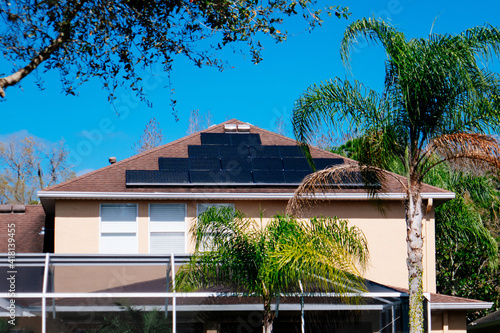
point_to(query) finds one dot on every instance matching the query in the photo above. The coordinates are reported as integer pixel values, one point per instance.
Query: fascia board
(461, 306)
(225, 196)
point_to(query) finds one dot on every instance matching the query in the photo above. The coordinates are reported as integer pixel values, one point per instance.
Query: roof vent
(233, 128)
(18, 209)
(112, 160)
(244, 128)
(230, 128)
(5, 209)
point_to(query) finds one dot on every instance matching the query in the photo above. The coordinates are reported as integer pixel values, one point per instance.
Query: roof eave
(472, 306)
(226, 196)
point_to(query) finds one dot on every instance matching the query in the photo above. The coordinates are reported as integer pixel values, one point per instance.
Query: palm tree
(244, 255)
(437, 101)
(135, 321)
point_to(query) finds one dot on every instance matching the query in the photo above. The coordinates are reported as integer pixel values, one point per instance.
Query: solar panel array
(231, 159)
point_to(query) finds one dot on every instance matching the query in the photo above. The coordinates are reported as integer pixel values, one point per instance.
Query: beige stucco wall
(77, 231)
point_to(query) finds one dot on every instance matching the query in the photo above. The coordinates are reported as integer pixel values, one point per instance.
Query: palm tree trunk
(414, 241)
(267, 318)
(267, 327)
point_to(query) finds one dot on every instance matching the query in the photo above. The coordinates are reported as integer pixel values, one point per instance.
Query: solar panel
(156, 177)
(295, 177)
(218, 177)
(244, 138)
(290, 151)
(203, 151)
(296, 163)
(237, 176)
(204, 163)
(322, 163)
(264, 151)
(173, 163)
(230, 163)
(268, 177)
(205, 176)
(351, 179)
(272, 163)
(233, 151)
(215, 139)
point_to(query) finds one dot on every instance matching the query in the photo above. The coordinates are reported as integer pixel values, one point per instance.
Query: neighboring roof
(26, 224)
(493, 319)
(109, 182)
(446, 302)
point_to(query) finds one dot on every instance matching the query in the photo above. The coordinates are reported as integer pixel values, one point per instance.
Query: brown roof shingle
(112, 177)
(25, 227)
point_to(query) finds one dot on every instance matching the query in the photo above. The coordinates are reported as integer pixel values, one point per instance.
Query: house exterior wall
(449, 322)
(77, 231)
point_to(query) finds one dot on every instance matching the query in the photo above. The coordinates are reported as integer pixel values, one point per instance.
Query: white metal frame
(48, 260)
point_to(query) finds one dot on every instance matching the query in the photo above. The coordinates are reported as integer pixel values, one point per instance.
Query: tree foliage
(151, 137)
(28, 166)
(466, 251)
(114, 40)
(466, 230)
(198, 122)
(135, 321)
(281, 257)
(437, 101)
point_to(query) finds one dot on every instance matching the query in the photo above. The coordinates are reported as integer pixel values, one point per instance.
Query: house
(486, 324)
(115, 229)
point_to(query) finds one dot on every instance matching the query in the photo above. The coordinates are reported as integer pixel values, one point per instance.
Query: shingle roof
(450, 300)
(489, 319)
(112, 177)
(25, 225)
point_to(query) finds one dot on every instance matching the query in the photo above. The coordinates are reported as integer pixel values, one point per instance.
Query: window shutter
(118, 243)
(118, 229)
(118, 218)
(167, 242)
(167, 226)
(167, 217)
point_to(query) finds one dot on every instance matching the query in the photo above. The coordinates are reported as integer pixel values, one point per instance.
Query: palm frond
(314, 186)
(466, 150)
(324, 254)
(374, 30)
(336, 103)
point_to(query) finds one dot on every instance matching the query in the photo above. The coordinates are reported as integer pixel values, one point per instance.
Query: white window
(118, 229)
(202, 208)
(167, 228)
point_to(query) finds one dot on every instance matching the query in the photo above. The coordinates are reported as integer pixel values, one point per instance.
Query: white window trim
(136, 250)
(185, 225)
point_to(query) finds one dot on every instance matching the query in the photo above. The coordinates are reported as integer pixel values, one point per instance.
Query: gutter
(461, 306)
(228, 196)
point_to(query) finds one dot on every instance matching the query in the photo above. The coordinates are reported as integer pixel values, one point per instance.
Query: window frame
(185, 231)
(136, 224)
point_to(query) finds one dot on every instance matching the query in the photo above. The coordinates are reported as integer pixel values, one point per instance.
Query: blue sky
(258, 94)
